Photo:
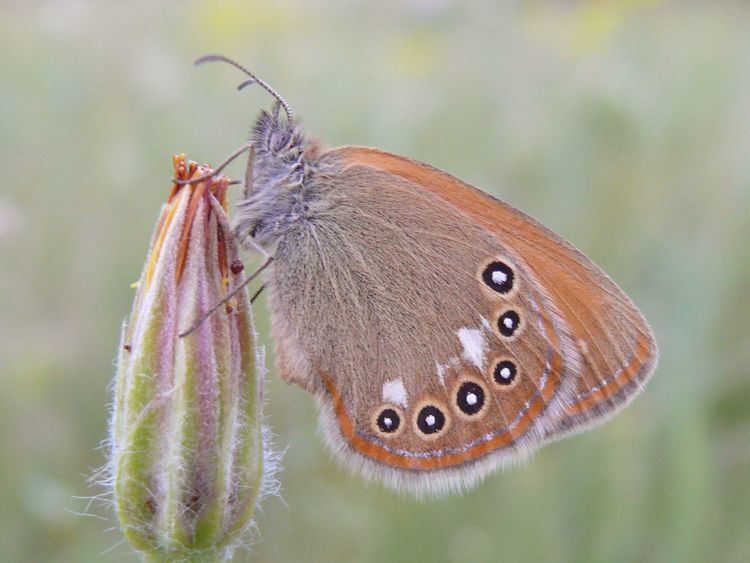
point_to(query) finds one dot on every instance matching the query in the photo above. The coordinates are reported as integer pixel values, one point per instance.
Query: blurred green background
(623, 125)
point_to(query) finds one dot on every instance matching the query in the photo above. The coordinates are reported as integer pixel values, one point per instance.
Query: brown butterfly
(443, 332)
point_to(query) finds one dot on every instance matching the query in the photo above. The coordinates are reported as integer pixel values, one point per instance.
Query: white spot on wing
(440, 372)
(443, 368)
(474, 346)
(395, 392)
(499, 277)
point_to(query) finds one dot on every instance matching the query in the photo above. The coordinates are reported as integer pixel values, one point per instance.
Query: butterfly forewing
(612, 340)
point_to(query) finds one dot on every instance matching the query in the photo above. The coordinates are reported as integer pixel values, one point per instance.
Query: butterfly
(443, 333)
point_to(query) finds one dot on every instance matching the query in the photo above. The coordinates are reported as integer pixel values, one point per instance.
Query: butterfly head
(278, 166)
(282, 158)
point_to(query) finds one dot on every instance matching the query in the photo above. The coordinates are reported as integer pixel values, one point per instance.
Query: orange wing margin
(501, 440)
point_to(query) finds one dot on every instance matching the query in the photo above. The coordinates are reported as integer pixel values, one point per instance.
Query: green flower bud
(187, 447)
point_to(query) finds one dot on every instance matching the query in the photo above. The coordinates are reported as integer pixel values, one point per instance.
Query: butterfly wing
(612, 338)
(443, 332)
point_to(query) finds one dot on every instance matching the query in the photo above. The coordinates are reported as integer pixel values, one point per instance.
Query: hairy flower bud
(186, 432)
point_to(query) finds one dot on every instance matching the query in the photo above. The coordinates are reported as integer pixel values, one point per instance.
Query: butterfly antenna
(253, 80)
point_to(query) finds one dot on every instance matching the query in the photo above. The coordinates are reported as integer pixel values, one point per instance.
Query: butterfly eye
(470, 398)
(508, 323)
(431, 420)
(388, 421)
(505, 372)
(499, 277)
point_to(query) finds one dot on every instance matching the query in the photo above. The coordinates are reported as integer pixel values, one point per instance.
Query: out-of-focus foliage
(623, 125)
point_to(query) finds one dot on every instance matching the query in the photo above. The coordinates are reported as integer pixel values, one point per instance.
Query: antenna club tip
(246, 83)
(253, 79)
(211, 57)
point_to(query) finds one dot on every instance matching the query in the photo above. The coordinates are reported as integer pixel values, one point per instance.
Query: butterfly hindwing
(435, 352)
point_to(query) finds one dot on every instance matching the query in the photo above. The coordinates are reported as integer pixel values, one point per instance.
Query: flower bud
(186, 431)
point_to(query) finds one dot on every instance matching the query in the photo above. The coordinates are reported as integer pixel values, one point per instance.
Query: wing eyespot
(388, 421)
(509, 324)
(470, 399)
(431, 420)
(505, 373)
(500, 277)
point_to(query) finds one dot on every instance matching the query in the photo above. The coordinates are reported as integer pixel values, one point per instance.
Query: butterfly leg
(221, 167)
(249, 242)
(257, 293)
(229, 295)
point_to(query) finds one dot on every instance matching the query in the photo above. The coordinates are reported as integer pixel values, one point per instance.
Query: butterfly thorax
(276, 199)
